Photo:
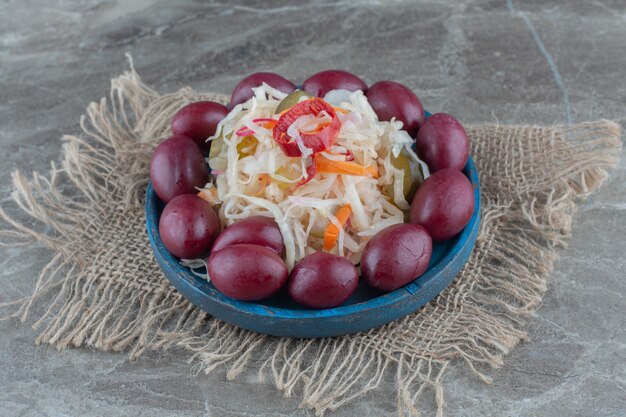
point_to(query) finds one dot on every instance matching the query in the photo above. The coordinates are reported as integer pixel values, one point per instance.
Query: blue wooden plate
(365, 309)
(279, 316)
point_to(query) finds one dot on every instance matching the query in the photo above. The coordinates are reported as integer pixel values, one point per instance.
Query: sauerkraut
(253, 176)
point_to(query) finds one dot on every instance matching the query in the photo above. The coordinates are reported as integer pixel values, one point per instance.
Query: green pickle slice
(247, 146)
(216, 146)
(291, 100)
(413, 175)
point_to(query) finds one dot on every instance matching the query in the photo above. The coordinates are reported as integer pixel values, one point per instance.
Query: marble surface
(482, 60)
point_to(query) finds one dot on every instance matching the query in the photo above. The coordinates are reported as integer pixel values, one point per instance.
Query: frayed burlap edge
(103, 289)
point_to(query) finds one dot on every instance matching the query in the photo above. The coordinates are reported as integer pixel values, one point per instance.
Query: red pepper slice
(318, 140)
(311, 170)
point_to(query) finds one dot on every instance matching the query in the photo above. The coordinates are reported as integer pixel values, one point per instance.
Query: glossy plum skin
(396, 256)
(324, 81)
(443, 204)
(247, 272)
(391, 99)
(177, 167)
(255, 230)
(322, 280)
(188, 226)
(442, 143)
(243, 91)
(198, 121)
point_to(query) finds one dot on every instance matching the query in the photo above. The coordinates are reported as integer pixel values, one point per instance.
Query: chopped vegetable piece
(203, 196)
(412, 178)
(291, 100)
(341, 110)
(327, 166)
(285, 176)
(317, 140)
(311, 170)
(262, 182)
(244, 131)
(262, 119)
(302, 211)
(247, 146)
(209, 195)
(266, 122)
(331, 234)
(216, 146)
(317, 129)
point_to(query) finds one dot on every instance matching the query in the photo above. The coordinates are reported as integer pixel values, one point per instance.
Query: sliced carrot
(341, 110)
(204, 195)
(270, 124)
(331, 233)
(328, 166)
(372, 171)
(266, 122)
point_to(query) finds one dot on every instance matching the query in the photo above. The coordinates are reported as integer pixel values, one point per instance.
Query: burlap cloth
(103, 288)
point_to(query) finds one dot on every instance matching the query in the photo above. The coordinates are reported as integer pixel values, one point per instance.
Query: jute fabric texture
(103, 289)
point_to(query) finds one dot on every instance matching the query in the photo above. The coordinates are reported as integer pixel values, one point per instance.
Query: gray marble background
(481, 60)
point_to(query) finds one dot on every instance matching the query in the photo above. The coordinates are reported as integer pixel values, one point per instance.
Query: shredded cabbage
(256, 178)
